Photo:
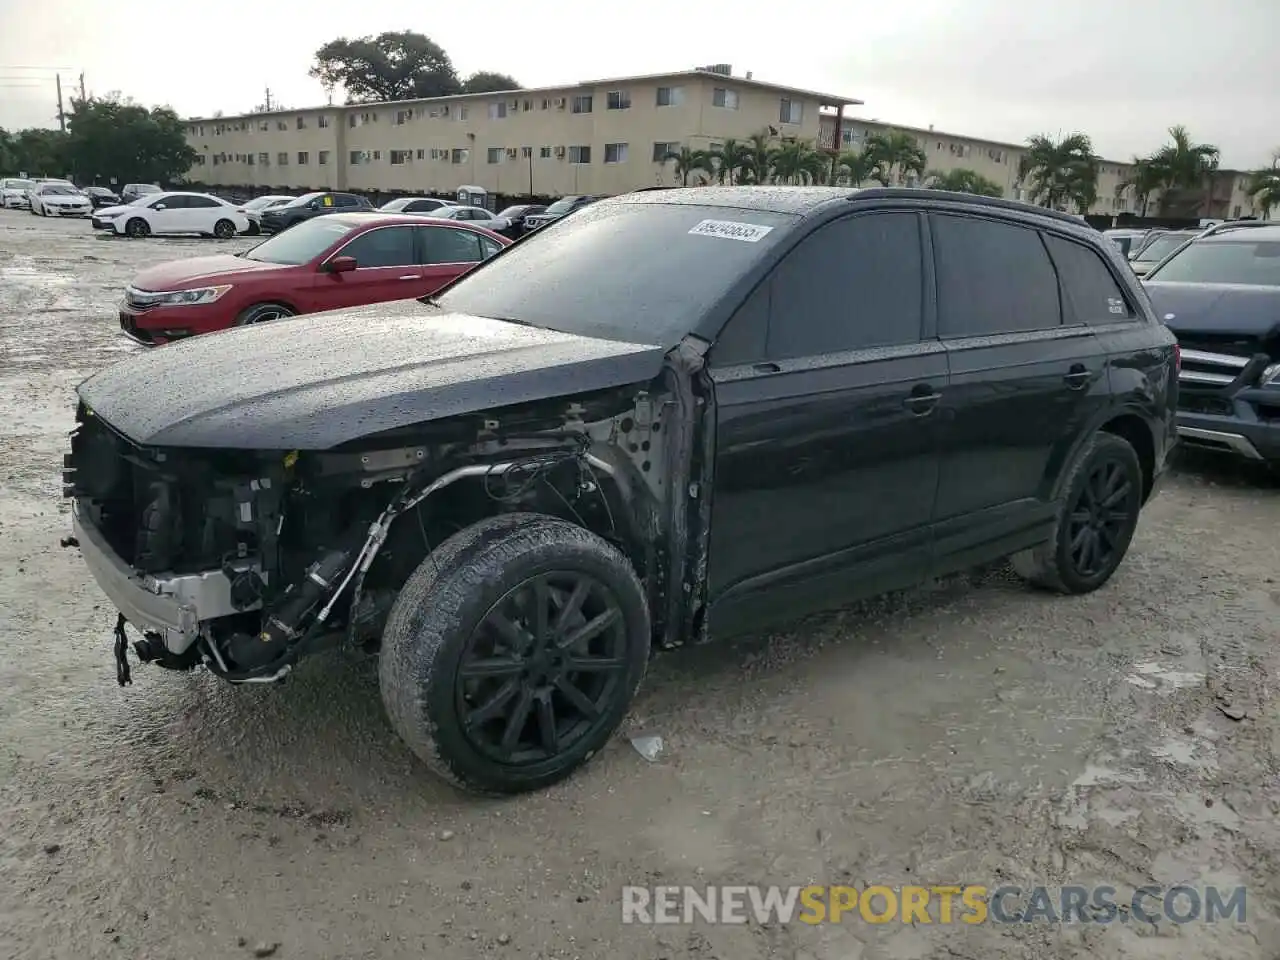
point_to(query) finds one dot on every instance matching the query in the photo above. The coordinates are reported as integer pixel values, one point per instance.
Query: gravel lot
(970, 732)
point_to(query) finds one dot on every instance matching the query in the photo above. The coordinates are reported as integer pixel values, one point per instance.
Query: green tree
(797, 162)
(729, 159)
(853, 167)
(109, 137)
(1145, 180)
(395, 65)
(758, 166)
(1264, 186)
(1062, 172)
(1186, 172)
(486, 81)
(893, 155)
(963, 180)
(691, 163)
(35, 152)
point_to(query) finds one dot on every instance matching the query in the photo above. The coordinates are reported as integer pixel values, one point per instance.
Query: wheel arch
(1126, 422)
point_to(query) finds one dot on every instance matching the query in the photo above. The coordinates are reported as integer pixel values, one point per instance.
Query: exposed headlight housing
(1271, 375)
(186, 298)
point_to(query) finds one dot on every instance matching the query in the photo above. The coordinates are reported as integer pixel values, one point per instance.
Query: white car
(253, 210)
(54, 199)
(13, 193)
(173, 212)
(477, 215)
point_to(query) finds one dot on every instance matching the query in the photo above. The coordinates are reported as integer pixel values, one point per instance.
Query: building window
(248, 159)
(790, 111)
(356, 157)
(579, 154)
(322, 122)
(670, 96)
(401, 157)
(526, 152)
(462, 113)
(544, 153)
(377, 154)
(282, 158)
(615, 153)
(302, 123)
(352, 120)
(619, 100)
(460, 155)
(303, 158)
(495, 155)
(281, 125)
(526, 106)
(662, 150)
(720, 97)
(497, 110)
(403, 117)
(421, 153)
(264, 158)
(264, 125)
(322, 157)
(582, 104)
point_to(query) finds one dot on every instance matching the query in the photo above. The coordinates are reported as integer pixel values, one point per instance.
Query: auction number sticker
(731, 230)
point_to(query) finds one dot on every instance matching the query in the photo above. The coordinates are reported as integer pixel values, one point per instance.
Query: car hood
(178, 273)
(322, 380)
(69, 201)
(1216, 308)
(113, 211)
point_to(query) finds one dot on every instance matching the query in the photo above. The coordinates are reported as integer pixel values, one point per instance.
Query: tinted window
(301, 243)
(638, 271)
(1163, 245)
(992, 278)
(384, 247)
(852, 284)
(202, 202)
(1220, 261)
(304, 200)
(488, 247)
(743, 338)
(1089, 289)
(421, 206)
(447, 245)
(170, 203)
(346, 200)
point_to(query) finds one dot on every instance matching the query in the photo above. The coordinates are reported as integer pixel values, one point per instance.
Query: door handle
(922, 400)
(412, 276)
(1078, 376)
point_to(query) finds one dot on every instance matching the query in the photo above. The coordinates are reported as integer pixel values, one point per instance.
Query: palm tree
(1186, 170)
(853, 166)
(730, 158)
(1264, 186)
(758, 165)
(894, 155)
(690, 163)
(1060, 172)
(796, 161)
(963, 180)
(1145, 180)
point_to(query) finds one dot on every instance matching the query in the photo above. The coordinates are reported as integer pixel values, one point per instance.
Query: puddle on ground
(24, 270)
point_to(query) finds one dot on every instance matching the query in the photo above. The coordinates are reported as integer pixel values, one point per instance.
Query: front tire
(513, 653)
(224, 229)
(1097, 514)
(263, 313)
(137, 228)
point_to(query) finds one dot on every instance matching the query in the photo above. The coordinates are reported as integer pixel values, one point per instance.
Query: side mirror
(342, 265)
(158, 206)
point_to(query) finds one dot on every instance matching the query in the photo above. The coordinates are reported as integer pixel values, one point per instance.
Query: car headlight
(189, 298)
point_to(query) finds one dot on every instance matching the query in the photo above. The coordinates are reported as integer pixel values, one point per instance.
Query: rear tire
(1096, 516)
(263, 313)
(480, 671)
(224, 229)
(137, 228)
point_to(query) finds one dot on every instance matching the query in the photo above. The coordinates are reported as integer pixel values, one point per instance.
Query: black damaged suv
(681, 413)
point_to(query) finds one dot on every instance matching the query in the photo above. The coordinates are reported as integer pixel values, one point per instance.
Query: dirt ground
(970, 732)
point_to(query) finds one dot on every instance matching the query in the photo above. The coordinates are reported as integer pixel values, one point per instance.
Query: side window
(992, 278)
(1089, 290)
(418, 206)
(202, 202)
(170, 203)
(852, 284)
(324, 202)
(384, 247)
(449, 245)
(347, 200)
(743, 338)
(488, 248)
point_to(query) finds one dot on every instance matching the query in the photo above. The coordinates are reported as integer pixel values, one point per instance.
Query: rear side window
(449, 245)
(1090, 293)
(347, 200)
(993, 278)
(850, 285)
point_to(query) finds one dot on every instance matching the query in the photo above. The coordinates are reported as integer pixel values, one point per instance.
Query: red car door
(449, 252)
(387, 268)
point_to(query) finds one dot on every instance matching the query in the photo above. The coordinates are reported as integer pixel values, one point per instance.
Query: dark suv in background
(561, 208)
(1220, 294)
(311, 205)
(678, 414)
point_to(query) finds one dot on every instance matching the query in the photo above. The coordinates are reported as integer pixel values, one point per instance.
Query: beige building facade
(606, 136)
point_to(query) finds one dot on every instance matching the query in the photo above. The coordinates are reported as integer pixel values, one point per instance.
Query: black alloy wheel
(541, 669)
(1102, 519)
(137, 227)
(224, 229)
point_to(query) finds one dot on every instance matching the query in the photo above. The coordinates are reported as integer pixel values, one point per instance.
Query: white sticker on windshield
(1115, 305)
(731, 230)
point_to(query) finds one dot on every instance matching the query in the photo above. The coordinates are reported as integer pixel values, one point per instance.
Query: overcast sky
(1122, 72)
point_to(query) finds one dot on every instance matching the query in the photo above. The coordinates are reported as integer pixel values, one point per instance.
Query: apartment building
(602, 136)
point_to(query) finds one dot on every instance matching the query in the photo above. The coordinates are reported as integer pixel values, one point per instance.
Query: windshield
(636, 272)
(510, 212)
(145, 188)
(261, 203)
(57, 190)
(1164, 245)
(1223, 261)
(303, 200)
(563, 205)
(395, 206)
(301, 243)
(18, 184)
(1124, 243)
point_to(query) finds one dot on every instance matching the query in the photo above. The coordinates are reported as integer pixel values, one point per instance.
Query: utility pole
(83, 95)
(268, 103)
(62, 117)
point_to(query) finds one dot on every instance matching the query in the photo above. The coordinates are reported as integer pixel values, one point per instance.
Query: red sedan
(342, 260)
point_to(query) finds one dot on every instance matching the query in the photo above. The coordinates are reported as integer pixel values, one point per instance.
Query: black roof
(804, 200)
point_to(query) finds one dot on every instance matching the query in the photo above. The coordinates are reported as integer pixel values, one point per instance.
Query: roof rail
(1235, 225)
(998, 203)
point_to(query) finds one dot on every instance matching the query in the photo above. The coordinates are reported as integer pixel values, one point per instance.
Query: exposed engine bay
(246, 561)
